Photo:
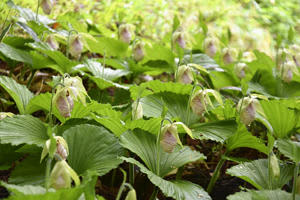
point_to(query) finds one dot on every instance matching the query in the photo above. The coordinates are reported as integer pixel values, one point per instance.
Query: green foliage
(256, 173)
(18, 92)
(102, 130)
(92, 148)
(23, 129)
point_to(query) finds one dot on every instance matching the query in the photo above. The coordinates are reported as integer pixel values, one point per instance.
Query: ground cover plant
(149, 100)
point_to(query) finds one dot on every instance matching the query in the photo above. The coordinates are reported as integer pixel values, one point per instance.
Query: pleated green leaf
(92, 148)
(262, 195)
(144, 145)
(18, 92)
(289, 148)
(178, 189)
(23, 129)
(217, 131)
(256, 173)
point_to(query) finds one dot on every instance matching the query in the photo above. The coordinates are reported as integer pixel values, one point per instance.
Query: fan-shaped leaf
(152, 125)
(15, 54)
(144, 145)
(281, 118)
(26, 189)
(62, 61)
(290, 149)
(175, 103)
(18, 92)
(179, 190)
(256, 173)
(243, 138)
(92, 148)
(106, 73)
(157, 86)
(202, 60)
(29, 172)
(262, 195)
(218, 131)
(22, 129)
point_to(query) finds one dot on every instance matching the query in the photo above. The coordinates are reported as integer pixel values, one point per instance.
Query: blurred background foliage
(250, 24)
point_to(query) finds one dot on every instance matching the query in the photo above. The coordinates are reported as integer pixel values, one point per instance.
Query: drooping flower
(75, 45)
(62, 175)
(47, 6)
(239, 70)
(125, 33)
(287, 71)
(169, 137)
(61, 148)
(185, 74)
(201, 99)
(229, 55)
(178, 38)
(138, 51)
(72, 90)
(248, 107)
(51, 41)
(198, 103)
(64, 102)
(210, 46)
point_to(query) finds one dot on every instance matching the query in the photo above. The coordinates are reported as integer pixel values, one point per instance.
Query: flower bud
(229, 55)
(75, 46)
(169, 137)
(47, 6)
(52, 42)
(61, 148)
(131, 195)
(138, 51)
(5, 114)
(125, 33)
(185, 74)
(137, 110)
(287, 71)
(60, 177)
(239, 70)
(64, 103)
(178, 38)
(210, 46)
(248, 110)
(198, 103)
(274, 165)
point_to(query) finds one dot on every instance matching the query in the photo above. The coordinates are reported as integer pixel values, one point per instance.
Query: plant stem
(131, 173)
(270, 171)
(48, 168)
(179, 173)
(296, 169)
(154, 193)
(37, 11)
(113, 177)
(158, 149)
(215, 176)
(31, 78)
(123, 184)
